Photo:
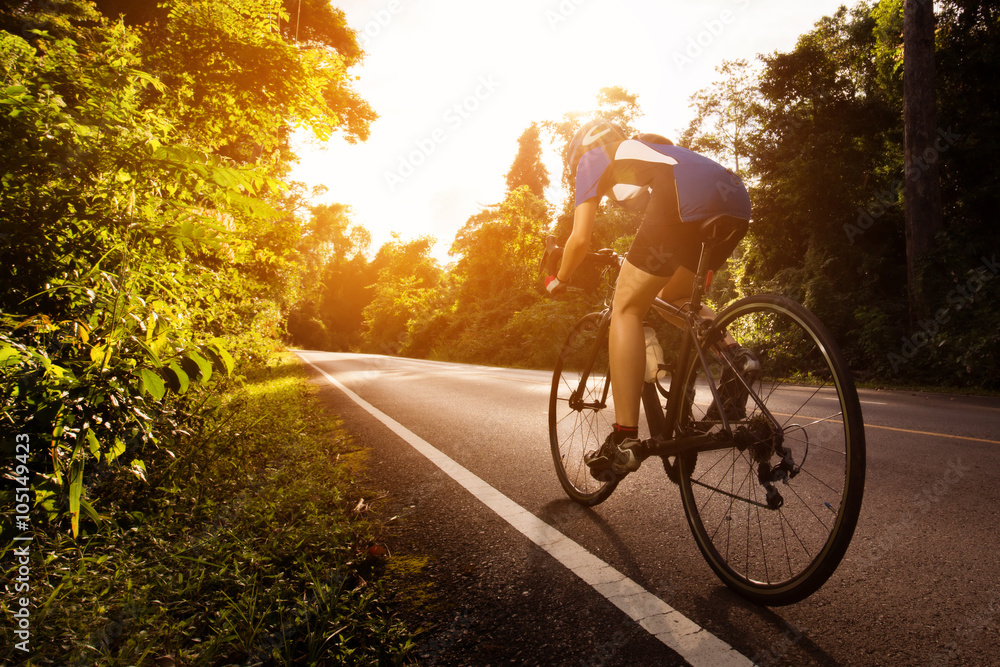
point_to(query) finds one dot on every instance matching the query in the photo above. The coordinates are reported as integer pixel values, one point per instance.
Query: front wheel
(774, 511)
(581, 411)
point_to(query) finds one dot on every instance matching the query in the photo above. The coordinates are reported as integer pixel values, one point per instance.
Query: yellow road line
(939, 435)
(901, 430)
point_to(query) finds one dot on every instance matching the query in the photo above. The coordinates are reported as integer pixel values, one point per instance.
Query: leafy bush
(248, 545)
(131, 259)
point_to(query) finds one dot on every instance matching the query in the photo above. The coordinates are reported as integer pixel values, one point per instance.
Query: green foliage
(406, 279)
(533, 336)
(499, 248)
(237, 86)
(334, 285)
(134, 257)
(148, 249)
(247, 546)
(496, 276)
(527, 169)
(827, 178)
(724, 116)
(88, 354)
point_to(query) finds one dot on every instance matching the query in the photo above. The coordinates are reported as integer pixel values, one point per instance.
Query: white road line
(837, 398)
(692, 642)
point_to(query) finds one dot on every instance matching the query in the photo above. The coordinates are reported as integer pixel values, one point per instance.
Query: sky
(456, 82)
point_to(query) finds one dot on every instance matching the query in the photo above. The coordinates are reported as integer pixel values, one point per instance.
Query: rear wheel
(774, 514)
(582, 414)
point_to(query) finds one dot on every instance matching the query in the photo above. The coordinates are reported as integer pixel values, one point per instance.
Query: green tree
(824, 186)
(496, 275)
(407, 277)
(110, 323)
(133, 260)
(826, 165)
(966, 349)
(528, 169)
(725, 115)
(334, 285)
(498, 248)
(237, 87)
(620, 106)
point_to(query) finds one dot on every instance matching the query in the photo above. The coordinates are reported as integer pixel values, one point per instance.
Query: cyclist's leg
(648, 267)
(678, 289)
(634, 295)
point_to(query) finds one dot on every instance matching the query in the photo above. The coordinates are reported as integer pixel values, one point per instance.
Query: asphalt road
(499, 567)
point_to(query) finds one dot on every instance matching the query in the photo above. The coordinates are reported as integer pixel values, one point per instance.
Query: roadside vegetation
(171, 491)
(247, 544)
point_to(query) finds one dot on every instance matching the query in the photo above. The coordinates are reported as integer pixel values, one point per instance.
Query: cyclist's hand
(554, 286)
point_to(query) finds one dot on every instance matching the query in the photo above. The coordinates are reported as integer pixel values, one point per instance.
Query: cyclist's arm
(578, 242)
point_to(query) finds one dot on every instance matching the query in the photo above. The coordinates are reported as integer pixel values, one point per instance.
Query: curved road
(501, 568)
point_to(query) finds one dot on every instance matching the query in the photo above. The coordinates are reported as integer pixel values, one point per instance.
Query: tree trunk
(923, 191)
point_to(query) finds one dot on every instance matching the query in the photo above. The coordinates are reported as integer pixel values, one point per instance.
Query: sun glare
(456, 83)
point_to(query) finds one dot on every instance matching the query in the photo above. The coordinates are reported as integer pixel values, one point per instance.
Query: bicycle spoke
(734, 496)
(758, 512)
(819, 481)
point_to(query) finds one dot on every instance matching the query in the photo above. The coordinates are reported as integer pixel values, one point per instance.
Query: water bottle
(654, 356)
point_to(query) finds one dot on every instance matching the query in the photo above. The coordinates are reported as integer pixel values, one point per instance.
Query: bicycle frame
(666, 437)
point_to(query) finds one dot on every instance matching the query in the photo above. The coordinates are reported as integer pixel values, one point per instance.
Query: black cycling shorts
(664, 242)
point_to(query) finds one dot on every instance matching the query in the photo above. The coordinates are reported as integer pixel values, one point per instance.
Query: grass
(245, 549)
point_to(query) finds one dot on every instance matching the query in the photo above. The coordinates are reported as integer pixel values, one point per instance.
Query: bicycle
(773, 495)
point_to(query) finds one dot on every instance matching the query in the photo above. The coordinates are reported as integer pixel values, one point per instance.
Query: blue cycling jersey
(625, 172)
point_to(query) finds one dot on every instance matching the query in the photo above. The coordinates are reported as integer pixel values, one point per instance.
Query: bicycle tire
(780, 555)
(575, 430)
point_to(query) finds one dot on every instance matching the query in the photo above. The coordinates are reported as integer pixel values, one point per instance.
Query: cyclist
(676, 188)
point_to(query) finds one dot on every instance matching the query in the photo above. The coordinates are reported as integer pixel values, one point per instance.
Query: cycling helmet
(592, 134)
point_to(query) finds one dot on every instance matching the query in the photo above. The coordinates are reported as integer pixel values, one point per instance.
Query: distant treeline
(817, 134)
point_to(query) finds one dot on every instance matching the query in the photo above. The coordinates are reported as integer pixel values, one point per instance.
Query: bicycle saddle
(720, 228)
